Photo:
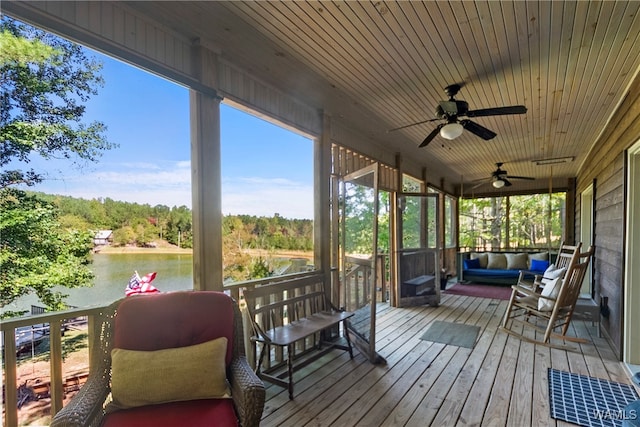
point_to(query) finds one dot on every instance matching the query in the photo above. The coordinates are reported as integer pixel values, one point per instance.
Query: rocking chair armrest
(86, 408)
(247, 391)
(525, 290)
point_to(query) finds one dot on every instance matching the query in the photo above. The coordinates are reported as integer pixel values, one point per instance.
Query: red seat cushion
(192, 413)
(174, 319)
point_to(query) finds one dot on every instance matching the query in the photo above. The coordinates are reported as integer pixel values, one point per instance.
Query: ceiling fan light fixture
(451, 130)
(498, 183)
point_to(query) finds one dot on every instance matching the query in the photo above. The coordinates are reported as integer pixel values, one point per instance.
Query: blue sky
(266, 169)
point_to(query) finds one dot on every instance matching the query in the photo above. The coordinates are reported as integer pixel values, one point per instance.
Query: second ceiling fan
(500, 178)
(450, 111)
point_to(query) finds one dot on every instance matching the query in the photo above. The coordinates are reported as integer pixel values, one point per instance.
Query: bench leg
(346, 335)
(290, 367)
(261, 358)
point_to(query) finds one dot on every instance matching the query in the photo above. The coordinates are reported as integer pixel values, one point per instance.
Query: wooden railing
(357, 281)
(55, 322)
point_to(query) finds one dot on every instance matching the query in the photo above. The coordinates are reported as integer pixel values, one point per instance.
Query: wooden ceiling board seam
(522, 35)
(274, 31)
(582, 15)
(496, 49)
(466, 15)
(614, 58)
(411, 78)
(514, 77)
(431, 57)
(603, 63)
(586, 128)
(595, 136)
(622, 89)
(566, 72)
(563, 121)
(529, 80)
(249, 13)
(449, 74)
(421, 57)
(365, 42)
(538, 81)
(551, 52)
(346, 83)
(420, 95)
(409, 111)
(458, 67)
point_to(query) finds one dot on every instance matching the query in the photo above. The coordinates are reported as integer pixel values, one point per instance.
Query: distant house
(103, 237)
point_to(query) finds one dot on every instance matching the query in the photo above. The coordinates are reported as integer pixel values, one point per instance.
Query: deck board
(502, 381)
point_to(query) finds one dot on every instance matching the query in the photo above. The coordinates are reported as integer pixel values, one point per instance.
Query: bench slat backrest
(281, 303)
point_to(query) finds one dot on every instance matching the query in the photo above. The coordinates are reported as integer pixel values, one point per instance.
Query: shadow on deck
(501, 381)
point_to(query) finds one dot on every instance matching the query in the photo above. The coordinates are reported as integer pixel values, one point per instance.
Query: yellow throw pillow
(140, 378)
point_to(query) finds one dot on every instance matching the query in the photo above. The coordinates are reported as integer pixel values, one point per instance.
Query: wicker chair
(168, 321)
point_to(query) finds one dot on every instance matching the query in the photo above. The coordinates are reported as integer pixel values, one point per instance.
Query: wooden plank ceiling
(381, 65)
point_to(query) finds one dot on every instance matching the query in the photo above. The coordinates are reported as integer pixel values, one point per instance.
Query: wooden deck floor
(502, 381)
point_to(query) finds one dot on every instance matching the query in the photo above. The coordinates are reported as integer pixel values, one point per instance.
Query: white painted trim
(631, 332)
(586, 233)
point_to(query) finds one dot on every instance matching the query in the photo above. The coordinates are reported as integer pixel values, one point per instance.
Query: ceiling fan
(500, 178)
(451, 110)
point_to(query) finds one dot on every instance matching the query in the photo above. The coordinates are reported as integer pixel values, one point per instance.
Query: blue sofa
(500, 268)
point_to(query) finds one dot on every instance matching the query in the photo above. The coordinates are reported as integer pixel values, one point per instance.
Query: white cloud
(265, 197)
(167, 184)
(170, 184)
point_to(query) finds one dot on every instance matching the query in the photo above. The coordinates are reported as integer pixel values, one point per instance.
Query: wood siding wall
(606, 165)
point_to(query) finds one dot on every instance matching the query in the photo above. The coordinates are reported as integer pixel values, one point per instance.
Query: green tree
(44, 82)
(37, 256)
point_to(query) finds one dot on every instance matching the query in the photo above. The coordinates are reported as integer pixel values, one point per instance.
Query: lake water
(113, 271)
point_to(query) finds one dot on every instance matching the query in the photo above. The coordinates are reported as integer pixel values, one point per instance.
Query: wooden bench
(295, 314)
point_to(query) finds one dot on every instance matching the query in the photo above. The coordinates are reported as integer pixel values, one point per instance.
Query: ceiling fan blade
(497, 111)
(412, 124)
(475, 128)
(432, 135)
(521, 177)
(507, 183)
(484, 181)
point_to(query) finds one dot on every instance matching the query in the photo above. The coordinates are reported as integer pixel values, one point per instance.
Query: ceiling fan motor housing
(451, 108)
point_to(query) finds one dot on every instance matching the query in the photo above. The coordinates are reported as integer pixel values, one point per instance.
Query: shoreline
(135, 250)
(170, 249)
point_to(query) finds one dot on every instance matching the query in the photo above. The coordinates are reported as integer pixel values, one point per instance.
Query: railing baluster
(10, 392)
(55, 349)
(9, 327)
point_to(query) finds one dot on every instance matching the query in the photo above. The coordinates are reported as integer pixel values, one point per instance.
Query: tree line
(135, 224)
(529, 221)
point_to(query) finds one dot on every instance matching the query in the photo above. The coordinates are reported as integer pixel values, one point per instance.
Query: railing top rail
(13, 323)
(273, 279)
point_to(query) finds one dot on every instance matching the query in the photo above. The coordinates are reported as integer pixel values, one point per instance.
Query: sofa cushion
(542, 256)
(517, 261)
(483, 258)
(140, 378)
(539, 265)
(471, 263)
(497, 261)
(192, 413)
